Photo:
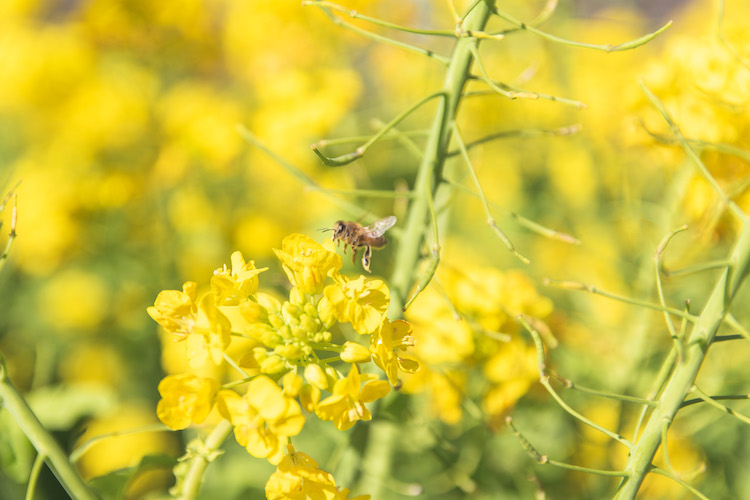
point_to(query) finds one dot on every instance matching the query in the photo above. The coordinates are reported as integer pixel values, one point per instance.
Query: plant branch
(431, 165)
(41, 439)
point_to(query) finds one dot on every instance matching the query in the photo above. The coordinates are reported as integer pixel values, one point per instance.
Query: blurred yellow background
(119, 126)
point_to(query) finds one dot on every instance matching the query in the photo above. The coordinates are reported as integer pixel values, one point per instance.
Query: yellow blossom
(298, 477)
(186, 399)
(306, 262)
(230, 287)
(347, 403)
(387, 343)
(512, 371)
(263, 419)
(362, 302)
(175, 310)
(210, 336)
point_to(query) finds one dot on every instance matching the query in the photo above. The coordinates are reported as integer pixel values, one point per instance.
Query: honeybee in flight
(358, 236)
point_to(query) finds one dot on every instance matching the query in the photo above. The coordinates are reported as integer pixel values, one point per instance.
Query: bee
(358, 236)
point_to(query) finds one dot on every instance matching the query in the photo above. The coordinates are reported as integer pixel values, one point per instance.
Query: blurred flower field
(169, 277)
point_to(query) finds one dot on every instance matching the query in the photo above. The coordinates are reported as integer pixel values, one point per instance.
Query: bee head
(339, 230)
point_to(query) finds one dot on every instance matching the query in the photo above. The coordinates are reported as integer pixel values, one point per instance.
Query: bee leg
(354, 254)
(366, 258)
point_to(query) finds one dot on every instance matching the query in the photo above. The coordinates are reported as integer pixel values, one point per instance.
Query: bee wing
(379, 227)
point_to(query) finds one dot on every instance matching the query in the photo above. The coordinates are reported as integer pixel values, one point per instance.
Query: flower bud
(355, 353)
(315, 375)
(292, 384)
(272, 364)
(310, 310)
(276, 321)
(288, 351)
(309, 324)
(298, 333)
(253, 312)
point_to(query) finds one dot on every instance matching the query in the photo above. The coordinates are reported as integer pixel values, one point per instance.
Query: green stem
(683, 378)
(42, 440)
(198, 463)
(431, 167)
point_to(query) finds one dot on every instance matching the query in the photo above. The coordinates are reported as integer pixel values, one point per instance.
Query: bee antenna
(324, 229)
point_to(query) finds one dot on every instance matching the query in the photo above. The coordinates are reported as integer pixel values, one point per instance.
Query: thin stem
(698, 268)
(676, 479)
(512, 134)
(13, 220)
(708, 399)
(378, 38)
(737, 326)
(378, 22)
(521, 220)
(702, 145)
(632, 44)
(728, 202)
(719, 397)
(660, 288)
(514, 92)
(81, 450)
(490, 218)
(34, 476)
(544, 380)
(392, 135)
(569, 384)
(360, 151)
(544, 460)
(42, 440)
(298, 173)
(510, 94)
(583, 287)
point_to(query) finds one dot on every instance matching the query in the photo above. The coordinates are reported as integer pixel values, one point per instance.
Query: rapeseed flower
(347, 403)
(306, 262)
(263, 419)
(362, 302)
(298, 477)
(186, 399)
(387, 345)
(232, 286)
(176, 310)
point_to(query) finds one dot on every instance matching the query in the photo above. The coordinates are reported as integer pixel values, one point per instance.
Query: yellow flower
(186, 399)
(385, 345)
(512, 371)
(306, 262)
(298, 477)
(175, 311)
(210, 336)
(446, 389)
(347, 403)
(263, 419)
(230, 287)
(362, 302)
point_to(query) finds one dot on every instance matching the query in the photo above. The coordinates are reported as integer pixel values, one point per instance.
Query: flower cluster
(472, 323)
(293, 354)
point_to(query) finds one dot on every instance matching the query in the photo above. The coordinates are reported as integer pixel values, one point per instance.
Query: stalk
(436, 149)
(685, 373)
(41, 439)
